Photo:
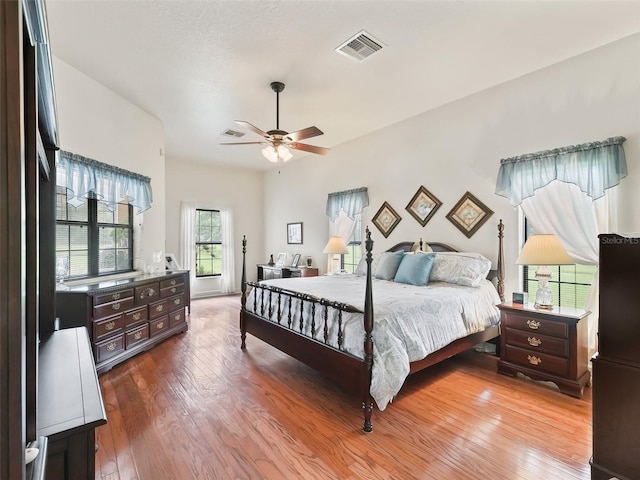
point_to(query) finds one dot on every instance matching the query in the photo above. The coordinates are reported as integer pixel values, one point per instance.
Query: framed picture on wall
(294, 233)
(423, 205)
(469, 214)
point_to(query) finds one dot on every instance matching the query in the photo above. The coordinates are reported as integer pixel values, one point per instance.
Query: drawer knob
(111, 347)
(533, 325)
(137, 315)
(533, 360)
(176, 301)
(159, 325)
(159, 308)
(534, 342)
(173, 282)
(173, 289)
(116, 306)
(137, 335)
(109, 325)
(116, 296)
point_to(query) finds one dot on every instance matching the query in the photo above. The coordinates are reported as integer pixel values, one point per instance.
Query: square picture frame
(280, 259)
(294, 233)
(386, 219)
(296, 260)
(171, 264)
(469, 214)
(423, 205)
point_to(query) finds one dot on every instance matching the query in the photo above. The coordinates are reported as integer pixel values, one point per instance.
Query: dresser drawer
(537, 361)
(147, 293)
(158, 308)
(539, 343)
(532, 324)
(107, 326)
(158, 326)
(108, 309)
(135, 317)
(176, 303)
(137, 335)
(112, 297)
(172, 282)
(109, 348)
(176, 317)
(169, 291)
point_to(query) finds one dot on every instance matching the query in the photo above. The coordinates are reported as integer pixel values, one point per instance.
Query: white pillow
(361, 269)
(468, 269)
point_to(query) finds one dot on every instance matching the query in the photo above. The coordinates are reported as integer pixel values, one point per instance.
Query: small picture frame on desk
(171, 264)
(296, 260)
(280, 259)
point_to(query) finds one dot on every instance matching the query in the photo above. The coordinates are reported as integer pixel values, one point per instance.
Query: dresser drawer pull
(173, 282)
(109, 325)
(116, 306)
(533, 325)
(112, 346)
(176, 301)
(160, 325)
(137, 315)
(116, 296)
(149, 292)
(173, 289)
(137, 335)
(534, 342)
(533, 360)
(159, 308)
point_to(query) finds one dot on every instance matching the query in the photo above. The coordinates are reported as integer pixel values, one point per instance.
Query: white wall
(99, 124)
(219, 187)
(458, 147)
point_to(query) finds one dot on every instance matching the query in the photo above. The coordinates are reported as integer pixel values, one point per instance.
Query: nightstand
(548, 345)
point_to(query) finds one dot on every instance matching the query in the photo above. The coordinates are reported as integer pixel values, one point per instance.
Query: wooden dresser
(268, 272)
(126, 317)
(546, 345)
(616, 367)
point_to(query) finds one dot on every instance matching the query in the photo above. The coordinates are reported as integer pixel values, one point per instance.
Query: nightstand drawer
(537, 343)
(537, 361)
(537, 325)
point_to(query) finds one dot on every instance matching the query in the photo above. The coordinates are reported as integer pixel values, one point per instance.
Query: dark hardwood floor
(197, 407)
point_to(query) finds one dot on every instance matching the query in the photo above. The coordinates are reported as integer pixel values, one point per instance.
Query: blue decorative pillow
(415, 269)
(388, 266)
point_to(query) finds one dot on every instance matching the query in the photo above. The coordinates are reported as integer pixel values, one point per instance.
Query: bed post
(501, 261)
(243, 289)
(367, 401)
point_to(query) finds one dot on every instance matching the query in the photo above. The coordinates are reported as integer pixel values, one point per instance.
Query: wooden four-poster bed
(316, 329)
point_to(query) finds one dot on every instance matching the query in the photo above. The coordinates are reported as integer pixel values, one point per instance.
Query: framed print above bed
(294, 233)
(386, 219)
(423, 205)
(469, 214)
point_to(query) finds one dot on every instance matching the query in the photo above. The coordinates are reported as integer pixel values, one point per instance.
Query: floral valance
(84, 177)
(350, 202)
(593, 167)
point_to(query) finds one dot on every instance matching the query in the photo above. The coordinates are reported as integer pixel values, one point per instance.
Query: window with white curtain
(208, 243)
(344, 210)
(349, 261)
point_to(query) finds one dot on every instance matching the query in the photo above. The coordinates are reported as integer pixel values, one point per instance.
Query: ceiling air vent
(232, 133)
(360, 46)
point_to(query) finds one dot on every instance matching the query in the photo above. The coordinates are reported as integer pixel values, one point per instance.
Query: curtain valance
(84, 177)
(593, 167)
(350, 202)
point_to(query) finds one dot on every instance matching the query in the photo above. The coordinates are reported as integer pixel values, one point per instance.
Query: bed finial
(243, 289)
(421, 244)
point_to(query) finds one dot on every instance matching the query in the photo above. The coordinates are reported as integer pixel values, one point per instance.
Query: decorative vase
(309, 262)
(271, 262)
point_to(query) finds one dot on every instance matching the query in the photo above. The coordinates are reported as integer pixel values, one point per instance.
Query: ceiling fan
(278, 141)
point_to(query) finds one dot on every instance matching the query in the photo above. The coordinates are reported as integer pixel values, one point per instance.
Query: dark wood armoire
(616, 367)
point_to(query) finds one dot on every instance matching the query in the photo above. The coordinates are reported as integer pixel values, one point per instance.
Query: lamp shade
(335, 245)
(544, 249)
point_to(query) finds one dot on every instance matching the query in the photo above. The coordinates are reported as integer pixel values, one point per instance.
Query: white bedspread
(410, 322)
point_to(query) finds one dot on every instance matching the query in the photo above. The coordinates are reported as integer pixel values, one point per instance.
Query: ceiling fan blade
(308, 148)
(253, 128)
(243, 143)
(304, 133)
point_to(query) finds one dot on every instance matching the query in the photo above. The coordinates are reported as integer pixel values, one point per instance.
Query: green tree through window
(208, 243)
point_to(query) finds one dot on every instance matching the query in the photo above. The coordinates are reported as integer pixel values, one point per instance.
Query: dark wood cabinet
(269, 272)
(616, 367)
(548, 345)
(126, 317)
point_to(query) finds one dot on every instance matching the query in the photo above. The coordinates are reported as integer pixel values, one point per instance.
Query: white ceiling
(200, 65)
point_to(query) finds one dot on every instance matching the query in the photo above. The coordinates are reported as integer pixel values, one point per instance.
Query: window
(94, 239)
(349, 261)
(569, 283)
(208, 243)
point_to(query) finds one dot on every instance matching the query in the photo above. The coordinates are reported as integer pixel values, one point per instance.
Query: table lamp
(543, 250)
(335, 246)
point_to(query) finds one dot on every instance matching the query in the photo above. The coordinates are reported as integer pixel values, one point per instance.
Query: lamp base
(544, 296)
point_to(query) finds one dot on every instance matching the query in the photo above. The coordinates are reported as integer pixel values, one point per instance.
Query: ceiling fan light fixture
(270, 154)
(284, 153)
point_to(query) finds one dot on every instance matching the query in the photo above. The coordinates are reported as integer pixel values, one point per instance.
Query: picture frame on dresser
(296, 260)
(171, 264)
